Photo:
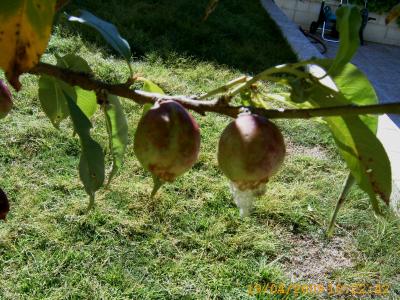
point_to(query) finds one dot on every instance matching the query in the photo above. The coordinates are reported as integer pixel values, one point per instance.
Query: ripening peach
(251, 150)
(167, 140)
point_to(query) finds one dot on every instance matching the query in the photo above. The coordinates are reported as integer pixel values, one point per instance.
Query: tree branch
(218, 105)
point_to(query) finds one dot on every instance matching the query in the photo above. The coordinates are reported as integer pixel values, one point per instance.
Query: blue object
(329, 15)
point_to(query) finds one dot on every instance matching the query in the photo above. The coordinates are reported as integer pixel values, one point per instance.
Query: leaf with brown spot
(25, 27)
(355, 136)
(4, 205)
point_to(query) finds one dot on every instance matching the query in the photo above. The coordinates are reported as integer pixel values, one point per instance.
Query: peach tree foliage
(332, 89)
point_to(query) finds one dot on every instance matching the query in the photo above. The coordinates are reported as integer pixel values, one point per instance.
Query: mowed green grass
(189, 242)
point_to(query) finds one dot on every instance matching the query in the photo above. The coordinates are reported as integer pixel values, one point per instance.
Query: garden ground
(189, 242)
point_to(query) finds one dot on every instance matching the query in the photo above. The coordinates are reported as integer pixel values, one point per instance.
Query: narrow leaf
(349, 182)
(151, 87)
(51, 92)
(117, 128)
(364, 155)
(74, 63)
(91, 165)
(358, 145)
(107, 30)
(52, 98)
(87, 101)
(25, 27)
(348, 25)
(354, 85)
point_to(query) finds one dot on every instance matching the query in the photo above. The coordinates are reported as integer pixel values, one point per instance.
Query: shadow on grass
(239, 33)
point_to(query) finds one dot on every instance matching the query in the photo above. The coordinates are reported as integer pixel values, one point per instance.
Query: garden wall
(303, 12)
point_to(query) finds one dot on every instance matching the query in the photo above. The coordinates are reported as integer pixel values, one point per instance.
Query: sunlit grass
(189, 242)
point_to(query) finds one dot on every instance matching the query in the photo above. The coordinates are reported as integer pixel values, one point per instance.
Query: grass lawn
(189, 242)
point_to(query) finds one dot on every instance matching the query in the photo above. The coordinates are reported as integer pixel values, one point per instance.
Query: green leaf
(51, 91)
(348, 25)
(117, 128)
(355, 87)
(348, 184)
(107, 30)
(91, 164)
(364, 155)
(87, 101)
(245, 97)
(363, 152)
(52, 98)
(151, 87)
(300, 90)
(74, 63)
(251, 97)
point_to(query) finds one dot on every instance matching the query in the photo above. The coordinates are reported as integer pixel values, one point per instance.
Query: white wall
(303, 12)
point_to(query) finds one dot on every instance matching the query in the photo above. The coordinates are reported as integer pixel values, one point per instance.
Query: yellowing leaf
(393, 14)
(25, 27)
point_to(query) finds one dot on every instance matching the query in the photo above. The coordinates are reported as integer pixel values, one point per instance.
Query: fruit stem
(346, 188)
(157, 184)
